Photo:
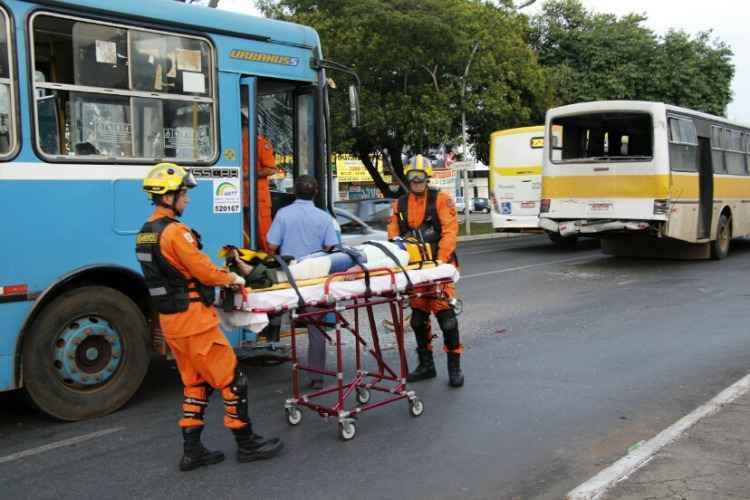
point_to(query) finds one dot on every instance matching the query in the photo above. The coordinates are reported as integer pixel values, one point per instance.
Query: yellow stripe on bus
(686, 186)
(679, 187)
(516, 131)
(606, 186)
(519, 170)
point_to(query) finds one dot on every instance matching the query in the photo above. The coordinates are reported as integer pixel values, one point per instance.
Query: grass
(476, 228)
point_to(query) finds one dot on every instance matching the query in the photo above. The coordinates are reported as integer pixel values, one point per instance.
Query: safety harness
(168, 288)
(430, 230)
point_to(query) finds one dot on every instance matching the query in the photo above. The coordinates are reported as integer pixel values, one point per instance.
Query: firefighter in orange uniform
(265, 166)
(431, 215)
(181, 280)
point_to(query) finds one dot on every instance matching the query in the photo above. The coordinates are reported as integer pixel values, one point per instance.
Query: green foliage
(591, 56)
(411, 56)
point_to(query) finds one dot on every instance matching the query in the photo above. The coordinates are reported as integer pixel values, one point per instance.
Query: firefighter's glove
(237, 280)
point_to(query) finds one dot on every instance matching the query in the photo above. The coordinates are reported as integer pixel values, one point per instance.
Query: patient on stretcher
(263, 271)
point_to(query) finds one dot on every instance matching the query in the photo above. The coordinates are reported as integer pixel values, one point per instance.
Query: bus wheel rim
(87, 352)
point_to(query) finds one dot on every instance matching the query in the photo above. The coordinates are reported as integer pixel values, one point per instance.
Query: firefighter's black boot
(195, 454)
(426, 367)
(251, 447)
(455, 375)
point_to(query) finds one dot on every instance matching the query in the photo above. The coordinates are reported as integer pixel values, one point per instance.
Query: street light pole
(467, 208)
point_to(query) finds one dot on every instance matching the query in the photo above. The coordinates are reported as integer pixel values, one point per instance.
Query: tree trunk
(364, 152)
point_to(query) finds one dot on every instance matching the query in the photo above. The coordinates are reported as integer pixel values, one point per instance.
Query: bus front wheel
(720, 246)
(86, 353)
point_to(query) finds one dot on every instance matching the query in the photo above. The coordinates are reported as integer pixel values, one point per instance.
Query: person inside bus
(181, 281)
(298, 230)
(265, 166)
(430, 215)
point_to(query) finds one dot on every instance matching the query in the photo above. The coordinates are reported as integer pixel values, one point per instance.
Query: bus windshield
(603, 137)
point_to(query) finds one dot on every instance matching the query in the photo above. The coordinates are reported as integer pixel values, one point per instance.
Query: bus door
(249, 209)
(286, 115)
(706, 187)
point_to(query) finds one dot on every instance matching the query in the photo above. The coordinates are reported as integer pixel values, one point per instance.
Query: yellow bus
(646, 178)
(515, 179)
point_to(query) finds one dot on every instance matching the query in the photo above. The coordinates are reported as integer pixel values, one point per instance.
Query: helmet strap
(175, 199)
(159, 201)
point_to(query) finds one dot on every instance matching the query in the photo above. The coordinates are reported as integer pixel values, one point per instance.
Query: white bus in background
(516, 178)
(646, 178)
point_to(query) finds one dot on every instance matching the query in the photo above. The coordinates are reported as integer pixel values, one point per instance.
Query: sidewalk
(705, 455)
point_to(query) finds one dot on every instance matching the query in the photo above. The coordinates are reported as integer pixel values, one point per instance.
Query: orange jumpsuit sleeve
(446, 210)
(182, 248)
(264, 152)
(393, 229)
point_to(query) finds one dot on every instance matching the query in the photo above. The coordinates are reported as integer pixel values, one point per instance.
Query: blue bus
(92, 95)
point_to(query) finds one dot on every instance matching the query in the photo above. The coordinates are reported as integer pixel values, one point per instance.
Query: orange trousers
(264, 224)
(206, 362)
(435, 306)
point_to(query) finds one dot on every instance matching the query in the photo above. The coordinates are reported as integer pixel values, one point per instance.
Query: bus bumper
(503, 222)
(569, 228)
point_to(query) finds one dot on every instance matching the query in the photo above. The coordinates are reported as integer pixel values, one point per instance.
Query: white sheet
(245, 317)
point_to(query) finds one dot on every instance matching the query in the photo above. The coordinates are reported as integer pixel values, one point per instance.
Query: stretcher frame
(387, 379)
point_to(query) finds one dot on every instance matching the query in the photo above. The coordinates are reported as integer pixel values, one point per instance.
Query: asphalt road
(571, 357)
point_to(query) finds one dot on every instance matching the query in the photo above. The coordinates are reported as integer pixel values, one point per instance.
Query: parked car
(355, 231)
(376, 211)
(481, 205)
(477, 205)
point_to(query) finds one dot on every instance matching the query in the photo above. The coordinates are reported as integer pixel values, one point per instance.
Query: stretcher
(351, 298)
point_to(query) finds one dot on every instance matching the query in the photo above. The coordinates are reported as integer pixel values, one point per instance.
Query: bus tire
(720, 246)
(562, 241)
(85, 354)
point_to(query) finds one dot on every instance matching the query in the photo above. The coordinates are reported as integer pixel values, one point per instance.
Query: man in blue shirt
(299, 230)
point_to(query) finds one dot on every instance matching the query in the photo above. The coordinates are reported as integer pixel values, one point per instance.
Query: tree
(589, 56)
(410, 56)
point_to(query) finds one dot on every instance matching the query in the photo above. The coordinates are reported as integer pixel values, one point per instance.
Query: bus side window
(85, 70)
(717, 154)
(683, 144)
(8, 128)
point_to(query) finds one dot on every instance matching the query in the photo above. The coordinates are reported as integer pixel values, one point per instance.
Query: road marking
(57, 444)
(598, 485)
(528, 266)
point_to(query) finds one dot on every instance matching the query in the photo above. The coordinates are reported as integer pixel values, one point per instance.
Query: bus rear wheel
(720, 246)
(86, 353)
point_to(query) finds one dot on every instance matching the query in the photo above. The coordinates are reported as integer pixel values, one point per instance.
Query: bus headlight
(661, 207)
(544, 206)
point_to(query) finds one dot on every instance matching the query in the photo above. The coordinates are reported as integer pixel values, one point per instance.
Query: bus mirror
(354, 105)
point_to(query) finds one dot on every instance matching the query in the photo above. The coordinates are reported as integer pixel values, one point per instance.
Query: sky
(727, 19)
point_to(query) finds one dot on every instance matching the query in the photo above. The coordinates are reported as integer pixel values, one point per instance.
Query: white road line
(528, 266)
(57, 444)
(598, 485)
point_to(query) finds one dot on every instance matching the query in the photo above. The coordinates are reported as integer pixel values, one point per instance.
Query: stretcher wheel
(293, 415)
(347, 431)
(416, 407)
(363, 395)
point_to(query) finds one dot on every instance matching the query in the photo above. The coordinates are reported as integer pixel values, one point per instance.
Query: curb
(492, 236)
(594, 488)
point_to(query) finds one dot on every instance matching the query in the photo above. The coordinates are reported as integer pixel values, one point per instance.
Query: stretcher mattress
(247, 315)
